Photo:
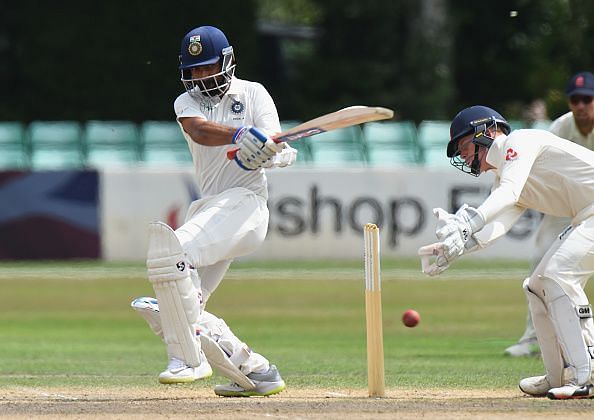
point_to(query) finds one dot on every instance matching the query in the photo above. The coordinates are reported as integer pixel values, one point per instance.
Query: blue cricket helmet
(204, 46)
(472, 120)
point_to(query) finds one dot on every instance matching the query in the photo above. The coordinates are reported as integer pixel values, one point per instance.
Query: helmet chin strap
(475, 166)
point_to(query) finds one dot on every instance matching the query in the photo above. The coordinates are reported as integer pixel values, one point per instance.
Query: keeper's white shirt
(550, 227)
(245, 103)
(538, 170)
(565, 127)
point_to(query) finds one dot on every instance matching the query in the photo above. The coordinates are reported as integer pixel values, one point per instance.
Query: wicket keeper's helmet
(204, 46)
(477, 120)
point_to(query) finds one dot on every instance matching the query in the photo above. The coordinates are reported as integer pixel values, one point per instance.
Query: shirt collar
(234, 89)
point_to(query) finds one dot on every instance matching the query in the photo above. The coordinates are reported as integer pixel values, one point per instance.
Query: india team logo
(195, 47)
(237, 107)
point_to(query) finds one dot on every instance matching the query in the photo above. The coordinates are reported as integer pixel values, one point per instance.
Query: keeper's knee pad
(547, 337)
(570, 321)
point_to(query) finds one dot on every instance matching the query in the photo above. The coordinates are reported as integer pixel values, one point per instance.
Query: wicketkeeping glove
(437, 266)
(255, 148)
(455, 230)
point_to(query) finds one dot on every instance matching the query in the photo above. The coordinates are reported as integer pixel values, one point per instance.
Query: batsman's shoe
(524, 348)
(145, 304)
(571, 392)
(178, 372)
(267, 383)
(537, 386)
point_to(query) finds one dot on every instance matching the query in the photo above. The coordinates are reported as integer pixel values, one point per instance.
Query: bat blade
(342, 118)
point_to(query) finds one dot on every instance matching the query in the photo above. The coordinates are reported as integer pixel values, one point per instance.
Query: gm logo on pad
(584, 311)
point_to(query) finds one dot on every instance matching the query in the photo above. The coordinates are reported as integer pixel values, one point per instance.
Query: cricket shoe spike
(571, 392)
(536, 386)
(267, 383)
(178, 372)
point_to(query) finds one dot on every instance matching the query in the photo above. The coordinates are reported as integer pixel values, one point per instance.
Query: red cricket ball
(411, 318)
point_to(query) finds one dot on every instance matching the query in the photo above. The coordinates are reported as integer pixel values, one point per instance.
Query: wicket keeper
(538, 170)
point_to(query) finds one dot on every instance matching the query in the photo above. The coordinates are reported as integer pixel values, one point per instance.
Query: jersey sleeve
(185, 106)
(267, 116)
(519, 153)
(501, 224)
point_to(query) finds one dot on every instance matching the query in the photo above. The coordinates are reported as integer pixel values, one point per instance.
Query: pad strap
(219, 360)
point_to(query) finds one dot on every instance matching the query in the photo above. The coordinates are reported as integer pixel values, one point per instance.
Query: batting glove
(255, 148)
(286, 157)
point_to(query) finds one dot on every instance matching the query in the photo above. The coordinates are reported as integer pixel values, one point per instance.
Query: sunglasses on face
(583, 99)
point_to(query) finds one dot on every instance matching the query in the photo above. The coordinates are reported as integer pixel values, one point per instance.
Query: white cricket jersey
(538, 170)
(565, 127)
(245, 103)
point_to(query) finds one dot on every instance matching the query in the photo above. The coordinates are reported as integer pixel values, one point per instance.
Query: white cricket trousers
(220, 228)
(569, 262)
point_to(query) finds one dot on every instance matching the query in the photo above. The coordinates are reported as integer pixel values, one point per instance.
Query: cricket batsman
(216, 113)
(534, 169)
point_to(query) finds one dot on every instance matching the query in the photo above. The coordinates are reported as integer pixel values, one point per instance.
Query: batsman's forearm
(207, 133)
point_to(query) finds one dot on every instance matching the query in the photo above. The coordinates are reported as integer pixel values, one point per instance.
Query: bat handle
(231, 153)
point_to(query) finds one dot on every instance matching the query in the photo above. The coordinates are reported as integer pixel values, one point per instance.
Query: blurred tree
(509, 52)
(389, 53)
(10, 79)
(289, 12)
(429, 58)
(287, 32)
(424, 58)
(106, 60)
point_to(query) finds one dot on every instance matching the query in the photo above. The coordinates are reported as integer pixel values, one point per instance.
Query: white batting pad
(566, 317)
(547, 338)
(179, 299)
(219, 359)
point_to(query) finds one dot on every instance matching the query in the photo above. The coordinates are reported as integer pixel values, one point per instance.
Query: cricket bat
(345, 117)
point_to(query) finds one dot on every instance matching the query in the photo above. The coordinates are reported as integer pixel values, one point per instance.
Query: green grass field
(70, 324)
